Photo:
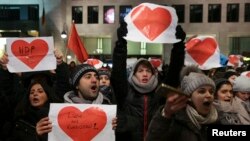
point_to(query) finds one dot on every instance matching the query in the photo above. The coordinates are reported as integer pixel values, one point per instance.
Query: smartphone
(164, 90)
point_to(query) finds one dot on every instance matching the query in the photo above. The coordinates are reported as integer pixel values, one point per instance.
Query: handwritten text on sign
(82, 122)
(30, 54)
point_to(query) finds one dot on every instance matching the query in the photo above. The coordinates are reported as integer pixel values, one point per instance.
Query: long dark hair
(24, 106)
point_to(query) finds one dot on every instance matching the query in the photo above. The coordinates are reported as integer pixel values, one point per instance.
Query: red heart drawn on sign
(93, 62)
(234, 59)
(155, 62)
(151, 22)
(30, 53)
(248, 74)
(82, 126)
(200, 51)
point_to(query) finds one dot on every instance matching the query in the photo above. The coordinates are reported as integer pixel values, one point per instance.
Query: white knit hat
(241, 84)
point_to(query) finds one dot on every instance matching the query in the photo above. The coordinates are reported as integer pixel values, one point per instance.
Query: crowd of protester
(222, 97)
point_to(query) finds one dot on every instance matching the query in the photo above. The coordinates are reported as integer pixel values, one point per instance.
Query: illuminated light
(63, 35)
(69, 56)
(246, 59)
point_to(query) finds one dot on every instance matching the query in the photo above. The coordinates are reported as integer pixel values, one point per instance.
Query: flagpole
(66, 52)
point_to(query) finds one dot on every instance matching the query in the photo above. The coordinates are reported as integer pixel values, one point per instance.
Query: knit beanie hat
(193, 80)
(79, 71)
(104, 72)
(241, 84)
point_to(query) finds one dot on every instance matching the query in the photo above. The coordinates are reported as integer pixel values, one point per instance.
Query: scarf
(228, 113)
(243, 113)
(70, 97)
(198, 119)
(224, 106)
(143, 88)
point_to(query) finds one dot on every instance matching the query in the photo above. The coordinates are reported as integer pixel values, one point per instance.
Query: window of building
(232, 12)
(238, 45)
(142, 48)
(77, 14)
(93, 12)
(97, 45)
(19, 12)
(247, 12)
(109, 14)
(214, 12)
(124, 10)
(19, 20)
(180, 11)
(196, 12)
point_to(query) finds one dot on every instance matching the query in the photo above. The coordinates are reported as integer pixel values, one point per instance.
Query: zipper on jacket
(145, 117)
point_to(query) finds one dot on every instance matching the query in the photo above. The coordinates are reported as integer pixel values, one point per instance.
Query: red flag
(75, 44)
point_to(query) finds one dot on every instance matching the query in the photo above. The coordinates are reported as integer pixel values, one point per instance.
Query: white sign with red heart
(94, 62)
(246, 73)
(30, 54)
(152, 23)
(203, 51)
(234, 61)
(81, 122)
(156, 62)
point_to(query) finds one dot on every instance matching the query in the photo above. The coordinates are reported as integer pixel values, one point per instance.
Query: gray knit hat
(79, 71)
(241, 84)
(194, 80)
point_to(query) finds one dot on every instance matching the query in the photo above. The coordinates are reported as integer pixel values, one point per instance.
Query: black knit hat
(104, 72)
(79, 71)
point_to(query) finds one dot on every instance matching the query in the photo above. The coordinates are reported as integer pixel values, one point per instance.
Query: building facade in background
(97, 20)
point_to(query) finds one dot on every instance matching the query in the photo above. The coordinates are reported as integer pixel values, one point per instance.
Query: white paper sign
(235, 61)
(81, 122)
(152, 23)
(204, 52)
(30, 54)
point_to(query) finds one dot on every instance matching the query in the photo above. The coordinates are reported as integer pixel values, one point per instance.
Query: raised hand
(174, 103)
(122, 31)
(180, 34)
(4, 61)
(59, 56)
(43, 126)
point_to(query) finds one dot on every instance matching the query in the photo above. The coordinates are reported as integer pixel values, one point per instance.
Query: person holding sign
(33, 107)
(58, 77)
(186, 117)
(136, 96)
(85, 84)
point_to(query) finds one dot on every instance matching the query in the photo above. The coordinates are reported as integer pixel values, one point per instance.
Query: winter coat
(24, 127)
(135, 109)
(177, 128)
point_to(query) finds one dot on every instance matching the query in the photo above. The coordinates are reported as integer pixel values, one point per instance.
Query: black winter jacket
(135, 110)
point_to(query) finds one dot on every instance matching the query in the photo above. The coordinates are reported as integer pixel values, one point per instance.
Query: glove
(122, 31)
(180, 34)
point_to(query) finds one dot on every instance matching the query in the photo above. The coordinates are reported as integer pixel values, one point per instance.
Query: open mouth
(144, 80)
(35, 100)
(94, 88)
(207, 103)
